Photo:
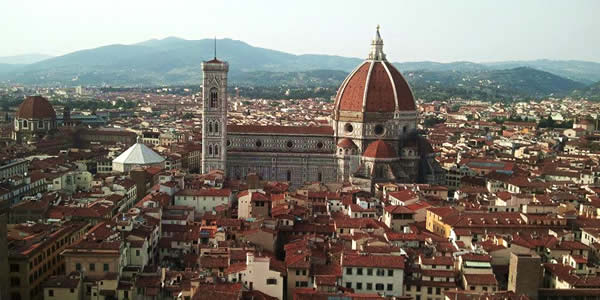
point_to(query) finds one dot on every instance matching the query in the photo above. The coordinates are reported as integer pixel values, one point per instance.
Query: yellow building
(434, 220)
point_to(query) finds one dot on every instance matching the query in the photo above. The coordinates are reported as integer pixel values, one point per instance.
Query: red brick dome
(36, 107)
(379, 149)
(374, 86)
(346, 143)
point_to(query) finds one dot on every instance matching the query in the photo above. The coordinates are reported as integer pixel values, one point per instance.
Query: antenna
(215, 47)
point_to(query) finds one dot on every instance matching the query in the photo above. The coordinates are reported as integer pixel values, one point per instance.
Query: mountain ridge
(174, 60)
(23, 59)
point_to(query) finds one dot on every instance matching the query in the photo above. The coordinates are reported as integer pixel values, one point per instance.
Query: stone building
(34, 120)
(371, 136)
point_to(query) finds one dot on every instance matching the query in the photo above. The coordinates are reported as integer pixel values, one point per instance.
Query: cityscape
(333, 178)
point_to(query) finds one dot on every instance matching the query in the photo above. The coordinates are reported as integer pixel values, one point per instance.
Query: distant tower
(67, 115)
(214, 117)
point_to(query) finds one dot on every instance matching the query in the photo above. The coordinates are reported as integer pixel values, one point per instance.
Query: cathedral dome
(346, 143)
(36, 107)
(375, 86)
(379, 149)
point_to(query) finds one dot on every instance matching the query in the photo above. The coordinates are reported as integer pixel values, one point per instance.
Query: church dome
(375, 86)
(36, 107)
(379, 149)
(346, 143)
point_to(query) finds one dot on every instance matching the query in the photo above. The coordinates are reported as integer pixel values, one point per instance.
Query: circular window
(319, 145)
(348, 127)
(228, 143)
(289, 144)
(379, 129)
(258, 143)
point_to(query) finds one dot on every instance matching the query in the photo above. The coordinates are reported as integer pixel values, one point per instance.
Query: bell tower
(214, 115)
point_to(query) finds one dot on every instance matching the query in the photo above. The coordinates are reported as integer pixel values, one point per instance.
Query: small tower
(377, 47)
(67, 115)
(214, 115)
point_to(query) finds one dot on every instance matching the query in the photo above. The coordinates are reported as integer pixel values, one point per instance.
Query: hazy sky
(475, 30)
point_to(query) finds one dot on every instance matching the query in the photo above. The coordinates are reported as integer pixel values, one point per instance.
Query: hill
(583, 71)
(24, 59)
(166, 61)
(591, 92)
(175, 61)
(508, 84)
(513, 83)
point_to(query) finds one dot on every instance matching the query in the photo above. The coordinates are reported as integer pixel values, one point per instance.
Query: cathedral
(372, 134)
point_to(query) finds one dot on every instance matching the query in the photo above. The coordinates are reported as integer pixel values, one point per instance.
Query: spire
(377, 47)
(215, 47)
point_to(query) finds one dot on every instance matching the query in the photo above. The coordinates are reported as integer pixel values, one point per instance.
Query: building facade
(371, 136)
(31, 263)
(214, 115)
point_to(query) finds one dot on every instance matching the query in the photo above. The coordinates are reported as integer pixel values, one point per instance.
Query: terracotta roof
(374, 87)
(352, 91)
(36, 107)
(406, 100)
(398, 209)
(403, 195)
(376, 261)
(379, 149)
(214, 262)
(480, 279)
(346, 143)
(437, 260)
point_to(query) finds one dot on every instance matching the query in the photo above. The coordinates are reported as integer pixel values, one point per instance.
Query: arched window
(214, 99)
(24, 123)
(216, 150)
(210, 150)
(210, 128)
(288, 175)
(216, 127)
(404, 129)
(320, 176)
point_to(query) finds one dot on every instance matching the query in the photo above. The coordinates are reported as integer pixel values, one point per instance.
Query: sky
(458, 30)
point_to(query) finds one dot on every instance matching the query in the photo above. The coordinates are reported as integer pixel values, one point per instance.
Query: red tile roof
(480, 279)
(36, 107)
(374, 261)
(351, 93)
(346, 143)
(398, 209)
(374, 87)
(379, 149)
